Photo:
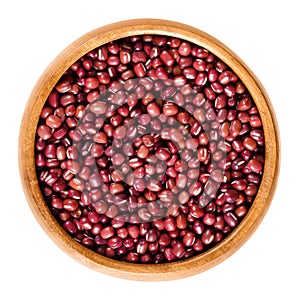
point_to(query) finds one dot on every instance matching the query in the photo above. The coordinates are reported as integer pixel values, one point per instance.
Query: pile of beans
(149, 149)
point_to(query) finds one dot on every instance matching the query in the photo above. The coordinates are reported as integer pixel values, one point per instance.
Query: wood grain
(152, 272)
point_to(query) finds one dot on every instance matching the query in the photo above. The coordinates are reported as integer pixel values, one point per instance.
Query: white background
(265, 34)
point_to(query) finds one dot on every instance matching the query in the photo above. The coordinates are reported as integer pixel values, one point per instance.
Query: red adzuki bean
(149, 149)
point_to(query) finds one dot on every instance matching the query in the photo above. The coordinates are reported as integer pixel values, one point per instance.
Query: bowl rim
(151, 272)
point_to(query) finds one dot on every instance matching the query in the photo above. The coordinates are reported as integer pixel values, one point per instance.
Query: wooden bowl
(150, 272)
